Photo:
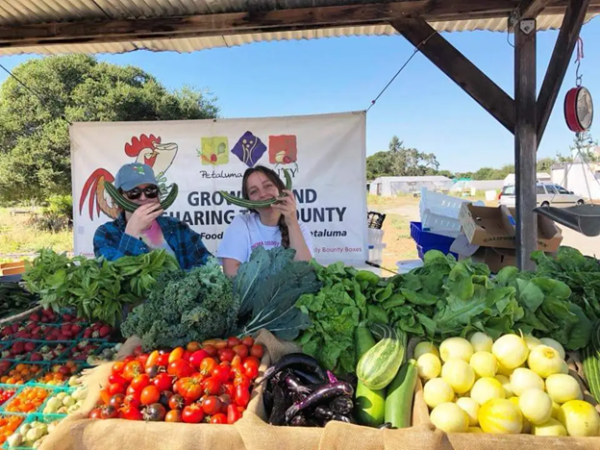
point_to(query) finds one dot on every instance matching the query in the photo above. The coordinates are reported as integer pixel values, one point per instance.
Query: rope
(580, 56)
(416, 50)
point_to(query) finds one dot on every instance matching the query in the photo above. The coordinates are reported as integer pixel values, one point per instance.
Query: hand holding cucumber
(141, 219)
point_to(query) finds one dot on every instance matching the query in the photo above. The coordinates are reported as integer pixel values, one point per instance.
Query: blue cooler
(430, 241)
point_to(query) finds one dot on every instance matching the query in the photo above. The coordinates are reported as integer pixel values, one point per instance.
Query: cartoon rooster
(146, 150)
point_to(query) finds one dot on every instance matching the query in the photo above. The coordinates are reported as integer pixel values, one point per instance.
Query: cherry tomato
(180, 369)
(197, 358)
(155, 412)
(242, 396)
(241, 351)
(226, 354)
(96, 413)
(251, 365)
(131, 391)
(192, 414)
(152, 359)
(186, 355)
(211, 405)
(189, 388)
(143, 359)
(105, 396)
(225, 401)
(132, 401)
(193, 347)
(163, 359)
(220, 343)
(221, 373)
(207, 366)
(150, 395)
(140, 382)
(248, 341)
(233, 414)
(165, 396)
(117, 379)
(116, 388)
(257, 351)
(242, 380)
(132, 370)
(176, 354)
(176, 402)
(210, 349)
(229, 389)
(109, 412)
(128, 359)
(117, 400)
(163, 381)
(219, 419)
(232, 341)
(173, 416)
(117, 368)
(131, 413)
(211, 386)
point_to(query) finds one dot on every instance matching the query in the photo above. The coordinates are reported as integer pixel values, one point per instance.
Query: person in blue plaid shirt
(147, 229)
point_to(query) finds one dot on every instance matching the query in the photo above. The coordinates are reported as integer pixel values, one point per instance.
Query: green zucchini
(129, 206)
(369, 405)
(379, 365)
(398, 404)
(252, 204)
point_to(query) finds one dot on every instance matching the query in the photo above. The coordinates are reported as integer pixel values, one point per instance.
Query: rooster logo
(146, 150)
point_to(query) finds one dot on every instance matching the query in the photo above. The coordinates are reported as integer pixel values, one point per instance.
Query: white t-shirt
(247, 232)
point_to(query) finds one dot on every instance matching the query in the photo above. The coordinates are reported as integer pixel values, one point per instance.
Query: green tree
(34, 137)
(401, 161)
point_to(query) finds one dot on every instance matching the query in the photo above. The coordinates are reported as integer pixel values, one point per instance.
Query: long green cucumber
(129, 206)
(398, 404)
(378, 366)
(369, 405)
(252, 204)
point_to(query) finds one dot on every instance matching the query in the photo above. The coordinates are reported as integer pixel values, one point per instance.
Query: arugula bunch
(96, 288)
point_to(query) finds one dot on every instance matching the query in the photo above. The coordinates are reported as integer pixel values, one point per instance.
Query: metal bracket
(527, 25)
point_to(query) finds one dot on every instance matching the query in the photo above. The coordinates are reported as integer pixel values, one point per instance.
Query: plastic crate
(55, 391)
(439, 212)
(43, 368)
(21, 389)
(21, 418)
(430, 241)
(45, 418)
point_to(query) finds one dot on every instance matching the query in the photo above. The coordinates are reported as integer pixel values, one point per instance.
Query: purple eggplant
(331, 377)
(341, 405)
(294, 384)
(322, 394)
(309, 377)
(293, 360)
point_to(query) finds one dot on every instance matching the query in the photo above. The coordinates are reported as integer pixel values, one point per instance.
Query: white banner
(326, 155)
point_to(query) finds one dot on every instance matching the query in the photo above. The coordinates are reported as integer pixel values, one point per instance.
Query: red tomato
(138, 350)
(186, 355)
(118, 379)
(143, 359)
(163, 359)
(189, 388)
(241, 351)
(226, 354)
(176, 355)
(163, 381)
(131, 413)
(193, 347)
(210, 349)
(229, 389)
(150, 395)
(192, 414)
(176, 402)
(232, 341)
(117, 367)
(96, 413)
(221, 373)
(220, 343)
(197, 358)
(257, 351)
(248, 341)
(105, 396)
(211, 405)
(207, 366)
(225, 401)
(180, 369)
(131, 391)
(242, 380)
(233, 414)
(128, 359)
(219, 419)
(211, 386)
(116, 388)
(132, 370)
(173, 416)
(109, 412)
(140, 382)
(132, 401)
(242, 396)
(251, 365)
(152, 359)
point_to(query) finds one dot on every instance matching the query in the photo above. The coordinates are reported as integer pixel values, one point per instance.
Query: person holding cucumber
(146, 229)
(272, 224)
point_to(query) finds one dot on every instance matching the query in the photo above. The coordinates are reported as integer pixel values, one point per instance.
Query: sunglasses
(135, 193)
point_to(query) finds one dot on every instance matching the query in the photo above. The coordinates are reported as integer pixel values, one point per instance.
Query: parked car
(547, 195)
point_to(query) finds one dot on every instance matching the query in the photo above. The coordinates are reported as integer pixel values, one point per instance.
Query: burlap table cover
(77, 432)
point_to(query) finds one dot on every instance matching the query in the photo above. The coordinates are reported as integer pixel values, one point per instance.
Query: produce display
(28, 400)
(8, 425)
(14, 299)
(208, 383)
(65, 402)
(511, 385)
(31, 434)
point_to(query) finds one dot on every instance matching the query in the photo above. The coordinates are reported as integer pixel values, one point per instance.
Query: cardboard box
(495, 227)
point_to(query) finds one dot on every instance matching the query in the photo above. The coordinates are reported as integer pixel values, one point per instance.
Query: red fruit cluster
(5, 394)
(207, 383)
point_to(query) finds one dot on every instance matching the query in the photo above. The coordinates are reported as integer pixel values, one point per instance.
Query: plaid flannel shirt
(111, 242)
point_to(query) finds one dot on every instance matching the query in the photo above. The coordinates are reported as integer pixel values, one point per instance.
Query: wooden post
(525, 140)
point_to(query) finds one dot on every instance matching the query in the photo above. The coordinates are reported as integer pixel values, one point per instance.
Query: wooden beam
(257, 21)
(561, 56)
(530, 9)
(460, 70)
(525, 141)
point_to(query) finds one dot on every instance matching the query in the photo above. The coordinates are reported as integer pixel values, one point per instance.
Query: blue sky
(423, 107)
